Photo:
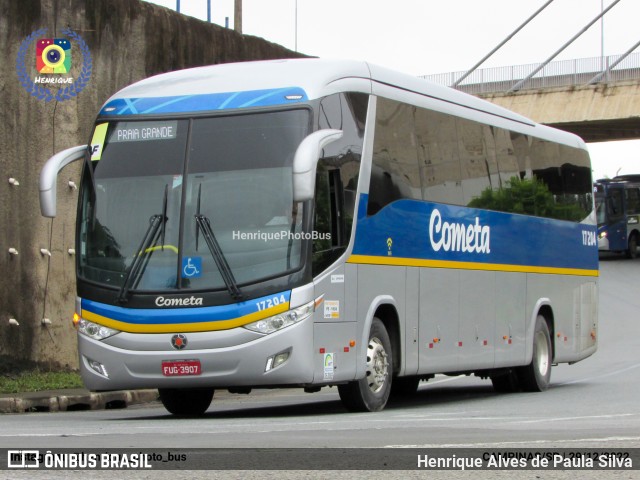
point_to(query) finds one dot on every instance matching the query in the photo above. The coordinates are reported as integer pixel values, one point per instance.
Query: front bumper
(228, 358)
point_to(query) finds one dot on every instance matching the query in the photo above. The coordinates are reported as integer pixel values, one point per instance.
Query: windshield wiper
(155, 231)
(203, 224)
(164, 215)
(92, 179)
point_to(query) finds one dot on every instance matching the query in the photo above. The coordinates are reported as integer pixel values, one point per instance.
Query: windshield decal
(144, 131)
(191, 267)
(97, 142)
(205, 102)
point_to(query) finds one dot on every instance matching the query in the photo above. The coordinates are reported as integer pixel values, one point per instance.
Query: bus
(618, 213)
(315, 223)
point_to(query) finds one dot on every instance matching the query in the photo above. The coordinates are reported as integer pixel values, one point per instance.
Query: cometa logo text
(458, 237)
(178, 302)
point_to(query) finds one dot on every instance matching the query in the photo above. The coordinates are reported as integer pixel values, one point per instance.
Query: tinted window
(395, 172)
(437, 138)
(633, 201)
(463, 162)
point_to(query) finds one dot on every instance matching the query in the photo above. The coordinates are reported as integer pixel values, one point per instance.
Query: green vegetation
(19, 375)
(35, 381)
(530, 197)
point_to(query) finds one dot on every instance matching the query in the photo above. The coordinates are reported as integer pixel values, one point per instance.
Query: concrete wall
(128, 40)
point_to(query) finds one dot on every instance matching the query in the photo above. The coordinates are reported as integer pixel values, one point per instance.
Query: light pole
(237, 16)
(602, 36)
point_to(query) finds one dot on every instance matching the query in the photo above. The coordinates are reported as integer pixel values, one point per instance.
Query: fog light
(277, 360)
(98, 367)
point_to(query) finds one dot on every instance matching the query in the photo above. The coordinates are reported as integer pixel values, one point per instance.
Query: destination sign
(144, 131)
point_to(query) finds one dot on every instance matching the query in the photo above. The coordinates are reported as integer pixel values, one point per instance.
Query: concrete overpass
(582, 96)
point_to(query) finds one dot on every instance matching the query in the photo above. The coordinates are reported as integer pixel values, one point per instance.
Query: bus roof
(270, 82)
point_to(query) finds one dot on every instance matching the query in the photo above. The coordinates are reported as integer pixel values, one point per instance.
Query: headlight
(282, 320)
(602, 234)
(95, 331)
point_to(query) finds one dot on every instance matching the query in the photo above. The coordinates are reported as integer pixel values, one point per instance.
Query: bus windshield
(155, 179)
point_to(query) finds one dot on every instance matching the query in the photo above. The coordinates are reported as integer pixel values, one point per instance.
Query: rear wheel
(370, 394)
(186, 401)
(535, 377)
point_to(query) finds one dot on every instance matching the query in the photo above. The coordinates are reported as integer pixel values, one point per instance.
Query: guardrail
(562, 73)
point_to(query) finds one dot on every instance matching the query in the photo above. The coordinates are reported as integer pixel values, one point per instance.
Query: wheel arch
(385, 308)
(543, 307)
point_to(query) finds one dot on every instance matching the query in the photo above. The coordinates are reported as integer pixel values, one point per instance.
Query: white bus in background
(311, 223)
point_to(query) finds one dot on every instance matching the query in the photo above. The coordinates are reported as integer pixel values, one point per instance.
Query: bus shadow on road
(298, 405)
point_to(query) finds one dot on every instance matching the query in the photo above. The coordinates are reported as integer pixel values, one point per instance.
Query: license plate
(179, 368)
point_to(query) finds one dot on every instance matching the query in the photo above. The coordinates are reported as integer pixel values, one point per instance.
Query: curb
(73, 402)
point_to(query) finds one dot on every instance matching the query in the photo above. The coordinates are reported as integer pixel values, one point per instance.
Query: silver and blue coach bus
(311, 223)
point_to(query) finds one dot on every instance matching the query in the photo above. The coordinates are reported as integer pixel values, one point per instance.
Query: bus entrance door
(617, 231)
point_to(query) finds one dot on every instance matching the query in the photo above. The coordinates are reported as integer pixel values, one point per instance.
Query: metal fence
(561, 73)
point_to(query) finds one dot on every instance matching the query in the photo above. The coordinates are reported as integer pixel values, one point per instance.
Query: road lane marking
(610, 374)
(523, 442)
(570, 419)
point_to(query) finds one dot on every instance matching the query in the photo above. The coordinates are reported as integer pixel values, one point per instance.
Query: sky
(422, 37)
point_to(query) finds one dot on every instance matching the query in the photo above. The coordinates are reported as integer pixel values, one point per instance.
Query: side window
(437, 139)
(538, 177)
(614, 205)
(477, 157)
(395, 172)
(633, 201)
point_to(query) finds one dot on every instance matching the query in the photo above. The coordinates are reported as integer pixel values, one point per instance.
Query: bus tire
(370, 394)
(632, 246)
(186, 401)
(535, 377)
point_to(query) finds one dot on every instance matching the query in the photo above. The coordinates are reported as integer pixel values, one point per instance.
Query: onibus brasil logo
(53, 62)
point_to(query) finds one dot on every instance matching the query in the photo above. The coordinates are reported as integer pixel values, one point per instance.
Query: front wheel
(370, 394)
(186, 401)
(535, 377)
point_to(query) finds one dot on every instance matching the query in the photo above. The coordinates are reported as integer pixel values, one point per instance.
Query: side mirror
(305, 162)
(49, 176)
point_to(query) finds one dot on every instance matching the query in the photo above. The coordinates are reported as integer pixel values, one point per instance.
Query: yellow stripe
(184, 327)
(498, 267)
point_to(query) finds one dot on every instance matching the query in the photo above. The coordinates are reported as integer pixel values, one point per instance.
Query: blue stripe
(167, 103)
(513, 239)
(160, 315)
(205, 102)
(130, 106)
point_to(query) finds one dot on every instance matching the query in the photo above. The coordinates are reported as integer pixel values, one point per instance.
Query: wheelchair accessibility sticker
(191, 267)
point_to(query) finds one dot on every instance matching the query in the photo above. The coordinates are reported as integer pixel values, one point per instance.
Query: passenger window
(437, 139)
(395, 173)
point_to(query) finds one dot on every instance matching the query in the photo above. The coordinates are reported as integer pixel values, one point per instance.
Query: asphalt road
(592, 404)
